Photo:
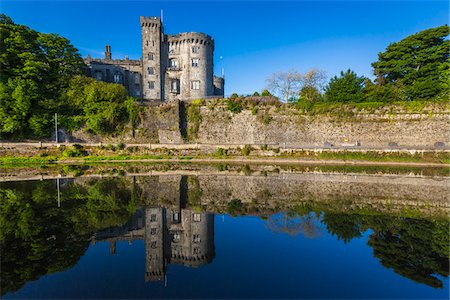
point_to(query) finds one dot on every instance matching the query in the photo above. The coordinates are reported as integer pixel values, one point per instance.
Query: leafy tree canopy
(40, 75)
(348, 87)
(419, 64)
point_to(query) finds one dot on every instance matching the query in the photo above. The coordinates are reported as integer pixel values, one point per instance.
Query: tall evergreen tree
(348, 87)
(419, 63)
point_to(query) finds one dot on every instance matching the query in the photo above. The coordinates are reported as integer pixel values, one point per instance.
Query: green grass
(127, 157)
(373, 156)
(17, 160)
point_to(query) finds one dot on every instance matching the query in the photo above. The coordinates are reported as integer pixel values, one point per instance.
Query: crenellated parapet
(197, 38)
(150, 22)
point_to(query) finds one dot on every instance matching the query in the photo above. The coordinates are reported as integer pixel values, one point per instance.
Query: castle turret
(153, 58)
(108, 54)
(190, 59)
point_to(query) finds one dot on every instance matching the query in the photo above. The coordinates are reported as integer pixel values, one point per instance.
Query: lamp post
(56, 127)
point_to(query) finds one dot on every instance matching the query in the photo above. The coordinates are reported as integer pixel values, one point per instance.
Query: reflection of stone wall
(389, 193)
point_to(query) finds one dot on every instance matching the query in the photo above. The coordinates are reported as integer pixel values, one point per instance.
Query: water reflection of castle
(172, 235)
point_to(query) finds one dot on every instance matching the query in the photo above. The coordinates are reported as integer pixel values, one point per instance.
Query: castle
(172, 67)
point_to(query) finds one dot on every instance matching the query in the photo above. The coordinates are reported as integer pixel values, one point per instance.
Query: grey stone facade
(172, 67)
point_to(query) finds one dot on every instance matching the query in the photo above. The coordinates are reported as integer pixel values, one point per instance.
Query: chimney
(108, 52)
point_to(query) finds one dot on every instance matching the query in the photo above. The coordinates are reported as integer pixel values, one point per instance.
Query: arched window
(150, 56)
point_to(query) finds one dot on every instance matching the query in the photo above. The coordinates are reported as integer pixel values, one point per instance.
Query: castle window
(151, 85)
(117, 78)
(196, 238)
(195, 49)
(175, 217)
(195, 84)
(151, 70)
(153, 231)
(195, 62)
(196, 250)
(173, 63)
(153, 245)
(137, 80)
(176, 236)
(197, 217)
(153, 216)
(174, 86)
(150, 56)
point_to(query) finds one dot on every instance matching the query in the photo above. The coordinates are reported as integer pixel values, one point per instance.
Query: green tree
(419, 63)
(266, 93)
(348, 87)
(35, 68)
(105, 107)
(310, 94)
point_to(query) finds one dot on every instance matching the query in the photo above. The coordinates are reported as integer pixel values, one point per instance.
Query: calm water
(280, 236)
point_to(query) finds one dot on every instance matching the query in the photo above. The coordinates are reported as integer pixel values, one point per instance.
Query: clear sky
(255, 38)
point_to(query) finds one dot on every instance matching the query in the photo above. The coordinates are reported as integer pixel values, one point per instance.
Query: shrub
(266, 93)
(267, 119)
(254, 110)
(76, 151)
(121, 146)
(221, 152)
(264, 147)
(234, 105)
(246, 150)
(197, 102)
(235, 207)
(305, 106)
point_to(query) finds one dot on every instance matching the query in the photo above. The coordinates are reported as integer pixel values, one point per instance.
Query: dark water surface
(234, 236)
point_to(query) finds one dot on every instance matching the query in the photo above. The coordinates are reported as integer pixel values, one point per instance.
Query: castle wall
(129, 72)
(287, 127)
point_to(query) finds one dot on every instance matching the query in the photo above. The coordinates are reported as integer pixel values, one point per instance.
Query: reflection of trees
(294, 224)
(414, 248)
(39, 238)
(411, 250)
(344, 226)
(417, 249)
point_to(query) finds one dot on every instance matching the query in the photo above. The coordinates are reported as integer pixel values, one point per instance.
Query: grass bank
(122, 153)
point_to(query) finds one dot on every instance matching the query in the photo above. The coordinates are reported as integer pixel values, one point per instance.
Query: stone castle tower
(177, 67)
(172, 67)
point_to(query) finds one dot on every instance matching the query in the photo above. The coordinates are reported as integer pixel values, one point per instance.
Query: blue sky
(255, 38)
